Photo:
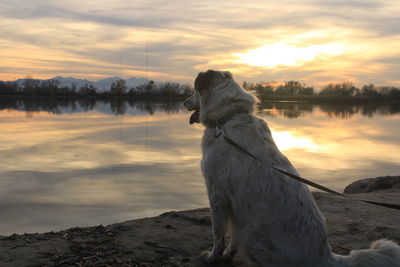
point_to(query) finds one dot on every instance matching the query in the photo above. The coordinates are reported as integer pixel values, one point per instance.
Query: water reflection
(34, 106)
(69, 162)
(288, 109)
(337, 110)
(93, 167)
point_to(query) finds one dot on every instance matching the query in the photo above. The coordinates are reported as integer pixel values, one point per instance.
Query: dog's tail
(382, 253)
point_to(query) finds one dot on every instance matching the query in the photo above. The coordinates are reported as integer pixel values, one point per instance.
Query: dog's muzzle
(192, 104)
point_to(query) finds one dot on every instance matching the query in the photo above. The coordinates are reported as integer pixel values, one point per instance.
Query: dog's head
(217, 95)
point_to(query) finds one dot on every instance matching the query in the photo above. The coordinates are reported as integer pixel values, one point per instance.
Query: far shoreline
(312, 99)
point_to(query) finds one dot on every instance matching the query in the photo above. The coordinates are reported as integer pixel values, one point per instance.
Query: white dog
(271, 216)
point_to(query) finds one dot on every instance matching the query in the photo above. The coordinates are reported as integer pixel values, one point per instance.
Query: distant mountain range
(101, 85)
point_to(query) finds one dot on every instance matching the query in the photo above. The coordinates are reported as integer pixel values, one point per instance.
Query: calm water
(77, 163)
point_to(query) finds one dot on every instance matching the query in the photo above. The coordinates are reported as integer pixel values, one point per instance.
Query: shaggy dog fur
(272, 217)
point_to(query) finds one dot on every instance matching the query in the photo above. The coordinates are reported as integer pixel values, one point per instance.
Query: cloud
(102, 38)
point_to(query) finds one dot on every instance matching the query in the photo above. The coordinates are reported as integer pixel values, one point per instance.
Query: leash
(220, 132)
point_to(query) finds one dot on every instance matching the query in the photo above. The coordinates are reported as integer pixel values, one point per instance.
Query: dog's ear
(228, 75)
(204, 80)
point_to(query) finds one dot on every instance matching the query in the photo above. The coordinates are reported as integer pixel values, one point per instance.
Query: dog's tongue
(195, 117)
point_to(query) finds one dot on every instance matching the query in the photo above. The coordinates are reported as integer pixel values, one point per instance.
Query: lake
(66, 163)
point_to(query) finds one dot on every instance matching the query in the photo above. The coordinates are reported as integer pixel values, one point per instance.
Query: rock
(373, 184)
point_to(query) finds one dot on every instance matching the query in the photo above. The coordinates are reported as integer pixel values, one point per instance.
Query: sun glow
(286, 140)
(281, 54)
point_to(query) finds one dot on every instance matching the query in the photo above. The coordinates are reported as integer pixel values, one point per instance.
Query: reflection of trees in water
(342, 111)
(120, 107)
(71, 105)
(151, 107)
(287, 109)
(388, 109)
(85, 104)
(34, 105)
(345, 111)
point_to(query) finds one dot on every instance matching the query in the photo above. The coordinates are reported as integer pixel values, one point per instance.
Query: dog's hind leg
(219, 223)
(233, 245)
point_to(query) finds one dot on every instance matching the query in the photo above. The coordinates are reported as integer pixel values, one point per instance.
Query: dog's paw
(228, 255)
(208, 257)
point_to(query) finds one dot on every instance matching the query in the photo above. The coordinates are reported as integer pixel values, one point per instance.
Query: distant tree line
(343, 89)
(34, 87)
(150, 89)
(290, 88)
(119, 88)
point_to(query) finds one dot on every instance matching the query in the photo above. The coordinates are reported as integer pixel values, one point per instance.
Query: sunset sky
(312, 41)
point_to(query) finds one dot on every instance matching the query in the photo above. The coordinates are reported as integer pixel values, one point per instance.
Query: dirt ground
(178, 238)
